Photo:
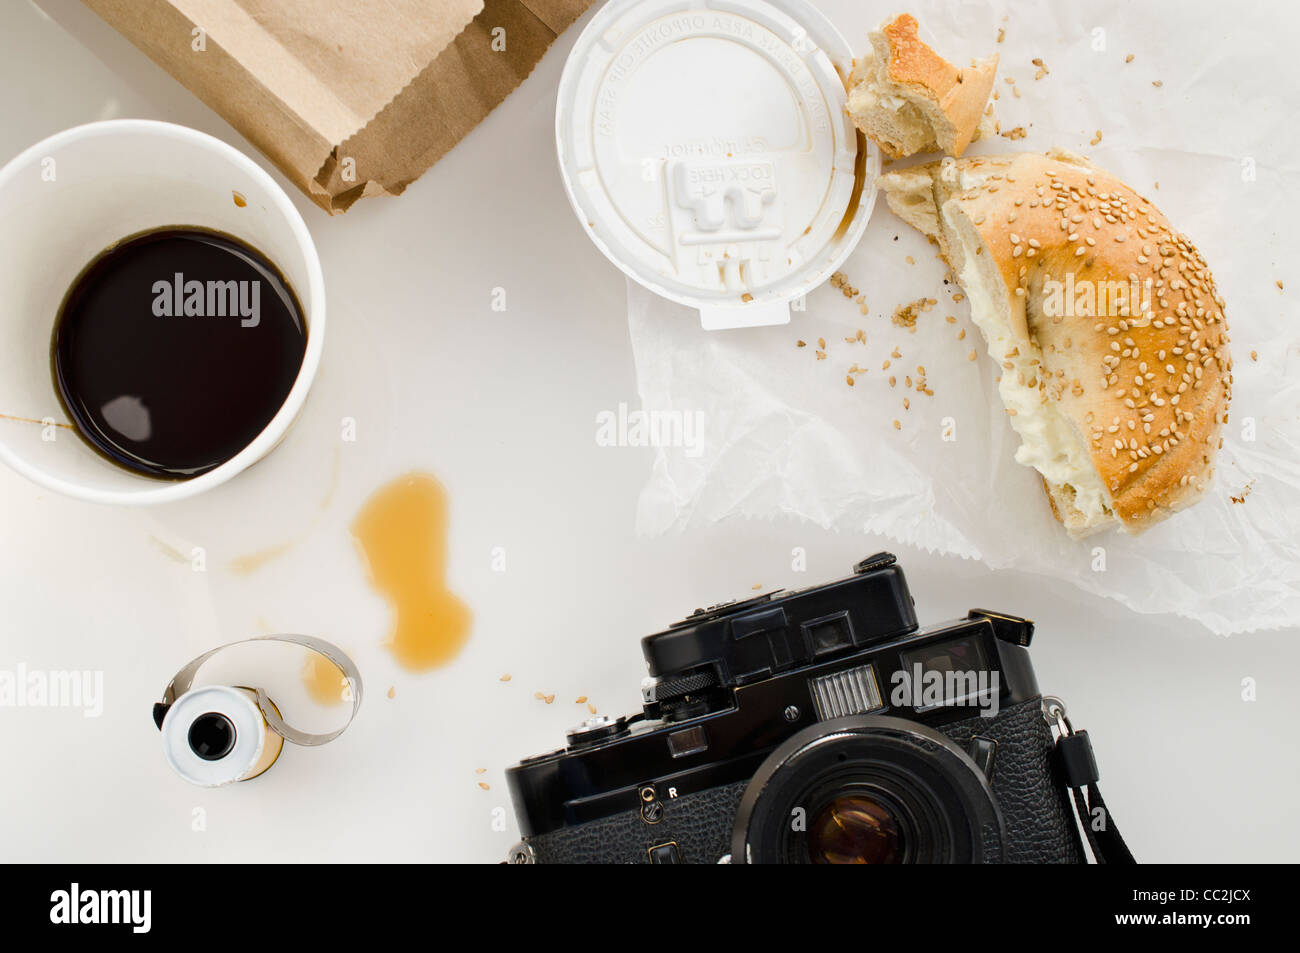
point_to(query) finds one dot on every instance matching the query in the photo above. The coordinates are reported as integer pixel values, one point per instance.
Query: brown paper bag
(348, 98)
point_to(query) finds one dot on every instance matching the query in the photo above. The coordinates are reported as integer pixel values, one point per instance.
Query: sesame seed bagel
(1104, 320)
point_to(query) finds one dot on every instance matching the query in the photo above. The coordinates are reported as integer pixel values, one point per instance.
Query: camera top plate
(739, 642)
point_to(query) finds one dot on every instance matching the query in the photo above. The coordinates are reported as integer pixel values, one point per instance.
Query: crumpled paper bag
(347, 99)
(1213, 146)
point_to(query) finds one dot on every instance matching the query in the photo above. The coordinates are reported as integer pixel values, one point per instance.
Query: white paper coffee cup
(67, 199)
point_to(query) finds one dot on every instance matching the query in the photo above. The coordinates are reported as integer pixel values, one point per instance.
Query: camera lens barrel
(868, 789)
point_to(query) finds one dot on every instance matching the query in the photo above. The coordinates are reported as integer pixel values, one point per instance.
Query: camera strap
(1076, 771)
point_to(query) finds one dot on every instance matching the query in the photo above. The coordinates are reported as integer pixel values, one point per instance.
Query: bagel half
(1105, 321)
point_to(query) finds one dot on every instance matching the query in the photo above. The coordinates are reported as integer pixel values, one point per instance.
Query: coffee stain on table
(325, 682)
(171, 552)
(251, 562)
(33, 420)
(401, 533)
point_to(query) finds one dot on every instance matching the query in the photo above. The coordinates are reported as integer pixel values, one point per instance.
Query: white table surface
(502, 408)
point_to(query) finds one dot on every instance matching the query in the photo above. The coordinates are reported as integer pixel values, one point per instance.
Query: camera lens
(855, 829)
(211, 736)
(868, 789)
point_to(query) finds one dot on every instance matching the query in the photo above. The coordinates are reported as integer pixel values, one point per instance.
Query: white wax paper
(1215, 147)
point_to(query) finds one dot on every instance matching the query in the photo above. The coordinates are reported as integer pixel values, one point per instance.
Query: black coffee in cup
(175, 348)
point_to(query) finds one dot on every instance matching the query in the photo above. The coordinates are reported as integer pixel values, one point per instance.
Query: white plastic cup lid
(707, 151)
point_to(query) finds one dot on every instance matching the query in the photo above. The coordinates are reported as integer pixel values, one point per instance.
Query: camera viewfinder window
(829, 634)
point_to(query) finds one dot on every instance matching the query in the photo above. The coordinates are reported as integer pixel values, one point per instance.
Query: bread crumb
(1254, 355)
(841, 281)
(821, 343)
(971, 356)
(580, 700)
(951, 319)
(505, 677)
(1095, 139)
(1129, 58)
(480, 770)
(1002, 33)
(849, 380)
(905, 315)
(485, 786)
(392, 692)
(821, 355)
(543, 697)
(911, 260)
(1157, 83)
(747, 297)
(1016, 133)
(897, 425)
(800, 343)
(1279, 285)
(591, 708)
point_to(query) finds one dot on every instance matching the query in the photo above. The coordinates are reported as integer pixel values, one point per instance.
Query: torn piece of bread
(1104, 320)
(907, 98)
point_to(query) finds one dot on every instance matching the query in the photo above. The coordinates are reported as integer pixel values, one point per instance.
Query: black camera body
(822, 725)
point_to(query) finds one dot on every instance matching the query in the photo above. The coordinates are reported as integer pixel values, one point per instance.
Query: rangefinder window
(942, 674)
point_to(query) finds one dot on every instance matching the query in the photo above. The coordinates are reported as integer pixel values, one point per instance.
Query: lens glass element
(854, 829)
(211, 736)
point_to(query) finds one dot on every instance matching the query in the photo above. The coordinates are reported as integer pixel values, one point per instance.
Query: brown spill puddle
(325, 682)
(402, 534)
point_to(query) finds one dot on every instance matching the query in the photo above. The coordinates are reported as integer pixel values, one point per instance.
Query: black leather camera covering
(1040, 828)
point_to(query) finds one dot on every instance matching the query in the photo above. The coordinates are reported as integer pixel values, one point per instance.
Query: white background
(502, 408)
